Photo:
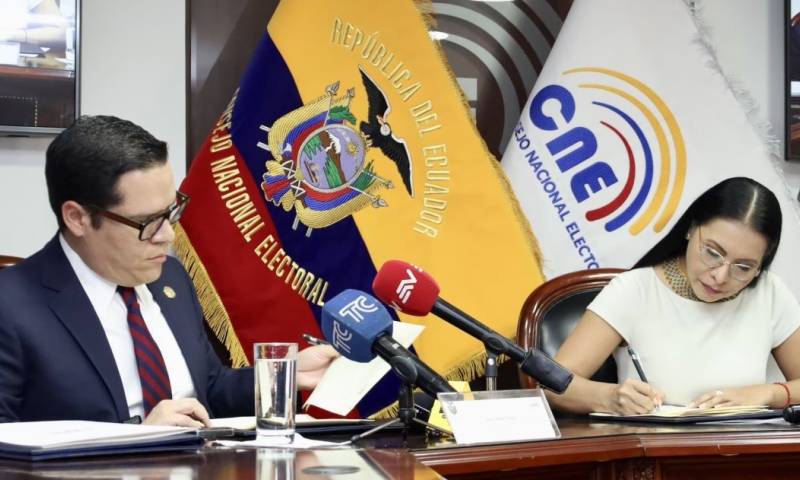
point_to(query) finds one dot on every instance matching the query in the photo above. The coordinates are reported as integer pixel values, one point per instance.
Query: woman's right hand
(633, 397)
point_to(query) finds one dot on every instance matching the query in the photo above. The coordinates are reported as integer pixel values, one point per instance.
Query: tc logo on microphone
(406, 287)
(357, 308)
(341, 336)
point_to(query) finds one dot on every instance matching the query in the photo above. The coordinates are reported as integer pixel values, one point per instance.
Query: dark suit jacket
(55, 360)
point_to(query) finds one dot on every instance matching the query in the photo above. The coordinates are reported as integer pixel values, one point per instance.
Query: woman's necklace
(680, 284)
(677, 280)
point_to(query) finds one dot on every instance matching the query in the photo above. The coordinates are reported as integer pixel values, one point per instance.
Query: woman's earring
(688, 235)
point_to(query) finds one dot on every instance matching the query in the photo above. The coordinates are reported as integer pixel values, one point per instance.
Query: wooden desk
(586, 450)
(628, 451)
(228, 464)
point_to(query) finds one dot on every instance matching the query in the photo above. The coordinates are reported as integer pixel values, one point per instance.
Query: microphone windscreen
(406, 287)
(352, 321)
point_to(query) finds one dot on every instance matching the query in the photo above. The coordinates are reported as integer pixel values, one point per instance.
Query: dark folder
(179, 442)
(688, 419)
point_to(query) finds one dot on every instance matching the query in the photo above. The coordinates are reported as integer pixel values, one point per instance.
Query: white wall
(748, 37)
(133, 66)
(26, 221)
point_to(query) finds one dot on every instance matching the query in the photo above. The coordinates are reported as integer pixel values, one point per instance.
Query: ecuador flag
(347, 144)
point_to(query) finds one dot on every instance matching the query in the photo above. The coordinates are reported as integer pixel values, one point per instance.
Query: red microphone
(406, 288)
(411, 290)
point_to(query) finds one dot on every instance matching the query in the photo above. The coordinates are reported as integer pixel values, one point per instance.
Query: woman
(700, 309)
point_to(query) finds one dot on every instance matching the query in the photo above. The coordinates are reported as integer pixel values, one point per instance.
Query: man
(101, 324)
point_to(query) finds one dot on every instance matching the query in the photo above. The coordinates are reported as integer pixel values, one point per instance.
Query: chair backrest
(7, 261)
(552, 311)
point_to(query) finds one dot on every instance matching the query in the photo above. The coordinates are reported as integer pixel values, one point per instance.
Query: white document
(239, 423)
(753, 421)
(346, 382)
(300, 420)
(79, 433)
(299, 442)
(682, 411)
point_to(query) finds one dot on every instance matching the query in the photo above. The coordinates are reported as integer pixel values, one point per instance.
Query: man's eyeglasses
(713, 259)
(151, 225)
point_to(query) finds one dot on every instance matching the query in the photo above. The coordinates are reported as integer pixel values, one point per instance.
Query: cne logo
(617, 146)
(406, 287)
(341, 337)
(357, 308)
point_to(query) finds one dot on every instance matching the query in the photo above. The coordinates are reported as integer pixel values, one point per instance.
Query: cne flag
(630, 120)
(347, 144)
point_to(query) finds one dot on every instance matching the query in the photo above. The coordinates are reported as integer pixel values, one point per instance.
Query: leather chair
(7, 261)
(552, 311)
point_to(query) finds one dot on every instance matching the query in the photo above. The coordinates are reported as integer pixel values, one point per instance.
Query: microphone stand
(532, 362)
(491, 370)
(493, 342)
(407, 412)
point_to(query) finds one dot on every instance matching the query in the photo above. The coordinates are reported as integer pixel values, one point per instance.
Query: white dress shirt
(113, 315)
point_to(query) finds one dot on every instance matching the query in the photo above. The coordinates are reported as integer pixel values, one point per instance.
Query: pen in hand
(638, 365)
(312, 340)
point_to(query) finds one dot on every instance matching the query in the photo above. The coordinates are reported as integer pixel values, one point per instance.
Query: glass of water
(276, 389)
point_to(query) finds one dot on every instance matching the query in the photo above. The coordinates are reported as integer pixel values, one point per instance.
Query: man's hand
(312, 364)
(186, 412)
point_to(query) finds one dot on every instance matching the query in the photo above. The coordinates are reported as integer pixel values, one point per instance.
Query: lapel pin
(169, 292)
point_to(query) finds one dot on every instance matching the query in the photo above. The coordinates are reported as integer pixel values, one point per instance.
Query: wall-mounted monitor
(39, 65)
(792, 60)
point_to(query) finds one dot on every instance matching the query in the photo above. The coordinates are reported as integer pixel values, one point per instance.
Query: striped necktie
(152, 369)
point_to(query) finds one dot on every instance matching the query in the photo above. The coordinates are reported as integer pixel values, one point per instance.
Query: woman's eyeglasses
(714, 259)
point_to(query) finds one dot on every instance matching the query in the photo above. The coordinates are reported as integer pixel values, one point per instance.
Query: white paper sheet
(299, 442)
(239, 423)
(346, 382)
(300, 420)
(682, 411)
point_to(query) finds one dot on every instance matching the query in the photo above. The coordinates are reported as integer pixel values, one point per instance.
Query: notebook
(77, 438)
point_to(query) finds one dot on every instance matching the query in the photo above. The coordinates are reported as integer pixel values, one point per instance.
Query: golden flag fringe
(425, 8)
(214, 311)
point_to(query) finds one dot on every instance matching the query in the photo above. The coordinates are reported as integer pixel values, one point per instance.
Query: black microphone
(358, 326)
(792, 413)
(413, 291)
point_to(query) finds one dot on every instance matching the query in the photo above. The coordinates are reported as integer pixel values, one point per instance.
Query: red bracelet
(788, 393)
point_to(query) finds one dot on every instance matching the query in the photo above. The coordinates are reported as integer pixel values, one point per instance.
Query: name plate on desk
(499, 416)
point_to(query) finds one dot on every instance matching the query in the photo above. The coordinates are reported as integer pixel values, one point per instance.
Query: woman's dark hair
(85, 161)
(741, 199)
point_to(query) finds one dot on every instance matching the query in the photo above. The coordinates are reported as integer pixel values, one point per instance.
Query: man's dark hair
(85, 161)
(740, 199)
